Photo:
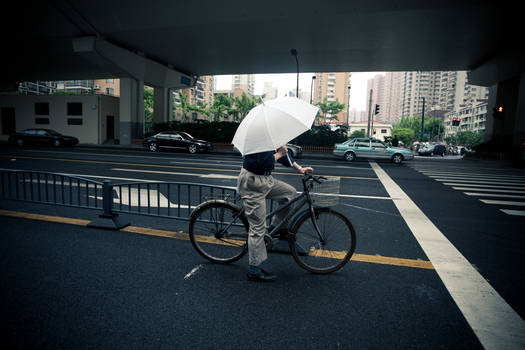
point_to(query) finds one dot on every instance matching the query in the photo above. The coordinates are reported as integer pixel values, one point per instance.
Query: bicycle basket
(326, 193)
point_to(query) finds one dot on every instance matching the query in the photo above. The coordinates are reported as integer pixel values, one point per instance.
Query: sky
(287, 82)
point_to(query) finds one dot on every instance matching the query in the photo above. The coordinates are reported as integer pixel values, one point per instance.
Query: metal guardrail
(164, 199)
(50, 188)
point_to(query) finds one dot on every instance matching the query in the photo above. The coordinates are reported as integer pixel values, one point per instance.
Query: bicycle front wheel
(219, 231)
(328, 251)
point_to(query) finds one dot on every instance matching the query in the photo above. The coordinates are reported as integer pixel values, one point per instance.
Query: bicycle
(321, 239)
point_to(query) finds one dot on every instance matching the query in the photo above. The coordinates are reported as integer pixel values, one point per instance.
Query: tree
(184, 105)
(433, 126)
(330, 109)
(222, 107)
(406, 135)
(357, 134)
(466, 138)
(243, 105)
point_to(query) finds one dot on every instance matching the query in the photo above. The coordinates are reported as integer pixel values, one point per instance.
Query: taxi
(369, 148)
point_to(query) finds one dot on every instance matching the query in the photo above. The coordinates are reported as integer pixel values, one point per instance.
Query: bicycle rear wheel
(219, 232)
(322, 255)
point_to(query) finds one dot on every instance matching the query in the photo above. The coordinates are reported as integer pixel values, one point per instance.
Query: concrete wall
(109, 106)
(90, 131)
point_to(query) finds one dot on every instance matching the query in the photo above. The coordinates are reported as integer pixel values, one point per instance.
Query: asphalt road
(68, 286)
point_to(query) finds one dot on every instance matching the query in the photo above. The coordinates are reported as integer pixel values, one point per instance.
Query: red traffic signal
(455, 121)
(498, 112)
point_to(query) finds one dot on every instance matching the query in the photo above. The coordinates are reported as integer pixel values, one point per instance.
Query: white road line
(517, 187)
(486, 177)
(514, 212)
(493, 321)
(476, 194)
(216, 176)
(486, 190)
(443, 179)
(491, 201)
(471, 174)
(193, 271)
(86, 175)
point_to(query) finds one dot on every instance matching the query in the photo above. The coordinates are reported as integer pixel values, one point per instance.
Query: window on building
(41, 108)
(110, 81)
(109, 91)
(74, 121)
(41, 121)
(74, 108)
(383, 131)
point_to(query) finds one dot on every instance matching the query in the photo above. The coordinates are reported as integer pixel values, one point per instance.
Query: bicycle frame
(305, 197)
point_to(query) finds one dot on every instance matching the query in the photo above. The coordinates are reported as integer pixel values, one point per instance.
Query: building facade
(379, 130)
(333, 87)
(91, 118)
(270, 91)
(471, 118)
(243, 83)
(109, 87)
(376, 87)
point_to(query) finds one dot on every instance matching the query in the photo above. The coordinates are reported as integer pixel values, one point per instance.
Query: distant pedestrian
(395, 141)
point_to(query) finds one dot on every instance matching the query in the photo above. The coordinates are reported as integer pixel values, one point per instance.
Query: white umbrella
(272, 124)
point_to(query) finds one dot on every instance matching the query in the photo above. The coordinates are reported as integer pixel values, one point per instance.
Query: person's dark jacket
(264, 162)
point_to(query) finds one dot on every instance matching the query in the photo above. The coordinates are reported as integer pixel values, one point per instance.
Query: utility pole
(369, 114)
(422, 122)
(348, 110)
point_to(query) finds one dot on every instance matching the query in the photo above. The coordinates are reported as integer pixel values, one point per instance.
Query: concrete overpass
(168, 44)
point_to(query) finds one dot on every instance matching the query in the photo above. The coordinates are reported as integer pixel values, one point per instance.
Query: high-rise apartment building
(107, 87)
(376, 86)
(202, 91)
(270, 91)
(37, 87)
(333, 86)
(443, 90)
(243, 83)
(390, 106)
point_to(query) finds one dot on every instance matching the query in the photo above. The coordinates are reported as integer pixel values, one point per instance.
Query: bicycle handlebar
(309, 176)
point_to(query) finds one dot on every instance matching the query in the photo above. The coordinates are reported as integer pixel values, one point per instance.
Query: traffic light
(455, 121)
(375, 129)
(498, 112)
(377, 110)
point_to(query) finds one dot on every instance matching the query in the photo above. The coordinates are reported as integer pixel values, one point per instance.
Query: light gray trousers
(254, 189)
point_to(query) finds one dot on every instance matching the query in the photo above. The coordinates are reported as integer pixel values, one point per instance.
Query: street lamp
(294, 53)
(312, 88)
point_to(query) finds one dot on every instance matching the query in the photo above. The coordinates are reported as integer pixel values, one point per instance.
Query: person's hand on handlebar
(308, 170)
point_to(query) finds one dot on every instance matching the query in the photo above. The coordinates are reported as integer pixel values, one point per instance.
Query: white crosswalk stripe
(493, 187)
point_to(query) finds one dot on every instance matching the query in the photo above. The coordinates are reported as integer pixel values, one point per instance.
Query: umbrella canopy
(272, 124)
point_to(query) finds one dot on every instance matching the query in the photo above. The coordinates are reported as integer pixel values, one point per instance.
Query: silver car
(370, 148)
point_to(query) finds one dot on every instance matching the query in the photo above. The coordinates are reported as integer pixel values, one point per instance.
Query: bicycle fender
(302, 213)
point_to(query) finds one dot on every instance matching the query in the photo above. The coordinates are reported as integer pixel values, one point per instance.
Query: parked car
(41, 137)
(294, 150)
(176, 140)
(371, 149)
(431, 150)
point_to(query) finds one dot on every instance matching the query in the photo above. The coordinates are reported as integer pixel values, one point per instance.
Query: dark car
(294, 150)
(177, 140)
(41, 137)
(438, 150)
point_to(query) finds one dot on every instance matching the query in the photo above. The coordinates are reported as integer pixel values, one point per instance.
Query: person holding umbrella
(260, 138)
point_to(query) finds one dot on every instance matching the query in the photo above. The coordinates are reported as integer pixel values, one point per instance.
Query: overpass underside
(168, 44)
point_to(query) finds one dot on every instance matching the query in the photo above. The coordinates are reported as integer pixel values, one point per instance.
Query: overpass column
(507, 134)
(131, 110)
(162, 105)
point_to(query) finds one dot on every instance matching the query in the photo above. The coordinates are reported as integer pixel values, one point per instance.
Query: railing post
(107, 199)
(108, 219)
